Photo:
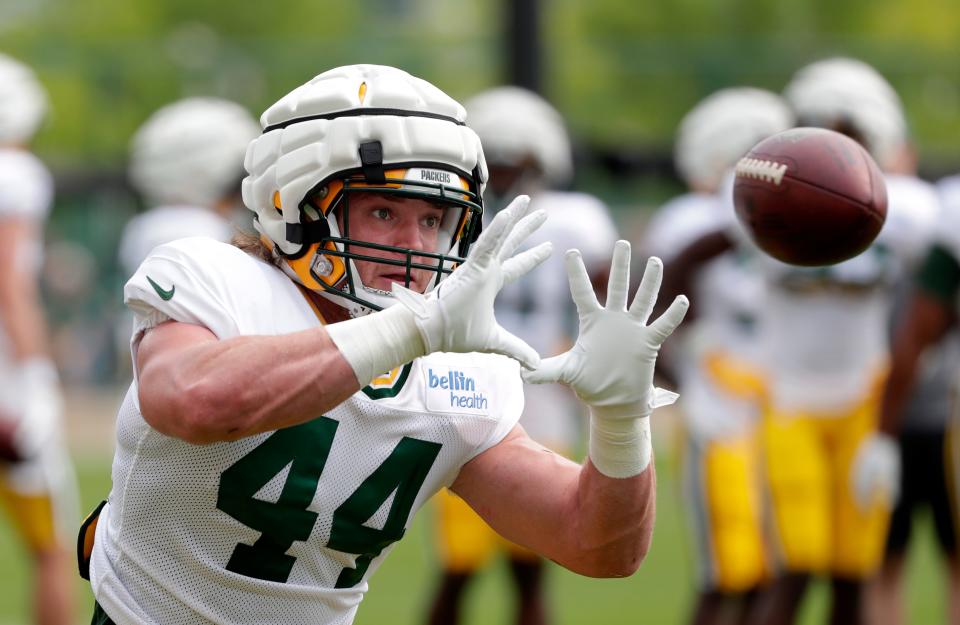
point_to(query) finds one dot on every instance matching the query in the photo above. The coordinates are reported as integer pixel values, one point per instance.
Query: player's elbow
(194, 413)
(621, 558)
(610, 565)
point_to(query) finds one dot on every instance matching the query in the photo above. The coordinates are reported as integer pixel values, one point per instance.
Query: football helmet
(515, 124)
(723, 127)
(191, 152)
(23, 102)
(852, 97)
(361, 128)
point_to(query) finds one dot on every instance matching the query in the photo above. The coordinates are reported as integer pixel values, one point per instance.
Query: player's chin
(385, 283)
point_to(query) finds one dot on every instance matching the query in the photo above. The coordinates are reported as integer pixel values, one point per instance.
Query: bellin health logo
(463, 389)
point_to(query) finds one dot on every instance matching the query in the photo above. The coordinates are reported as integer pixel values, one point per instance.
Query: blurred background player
(715, 363)
(36, 478)
(825, 340)
(528, 152)
(919, 409)
(186, 161)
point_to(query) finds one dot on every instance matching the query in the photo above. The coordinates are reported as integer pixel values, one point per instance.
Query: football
(810, 196)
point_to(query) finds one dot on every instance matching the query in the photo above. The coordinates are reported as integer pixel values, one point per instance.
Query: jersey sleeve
(509, 388)
(183, 281)
(26, 187)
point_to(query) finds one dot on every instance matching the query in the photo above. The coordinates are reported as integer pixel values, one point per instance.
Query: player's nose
(407, 233)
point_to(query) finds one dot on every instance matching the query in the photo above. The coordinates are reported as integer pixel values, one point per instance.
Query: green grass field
(659, 593)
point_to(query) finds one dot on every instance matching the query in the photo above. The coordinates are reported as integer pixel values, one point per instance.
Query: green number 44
(304, 449)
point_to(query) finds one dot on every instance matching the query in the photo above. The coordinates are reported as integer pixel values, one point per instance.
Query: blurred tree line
(623, 72)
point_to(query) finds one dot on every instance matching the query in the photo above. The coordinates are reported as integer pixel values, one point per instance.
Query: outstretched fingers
(511, 345)
(493, 237)
(522, 263)
(670, 319)
(520, 231)
(619, 281)
(550, 370)
(581, 289)
(646, 297)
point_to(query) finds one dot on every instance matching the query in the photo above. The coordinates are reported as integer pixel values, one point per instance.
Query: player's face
(398, 222)
(503, 178)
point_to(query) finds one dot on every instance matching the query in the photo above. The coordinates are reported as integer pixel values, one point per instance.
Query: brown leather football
(810, 196)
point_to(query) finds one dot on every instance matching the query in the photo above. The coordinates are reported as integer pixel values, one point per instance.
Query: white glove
(611, 365)
(458, 316)
(875, 472)
(31, 421)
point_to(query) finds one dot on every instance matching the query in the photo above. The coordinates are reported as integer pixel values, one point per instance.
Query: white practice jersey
(826, 330)
(538, 307)
(26, 192)
(285, 526)
(727, 293)
(164, 224)
(680, 222)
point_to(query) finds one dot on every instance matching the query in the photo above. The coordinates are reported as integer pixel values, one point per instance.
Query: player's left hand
(611, 365)
(875, 473)
(459, 315)
(29, 424)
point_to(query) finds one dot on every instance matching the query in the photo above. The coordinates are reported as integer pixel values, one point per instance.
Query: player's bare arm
(20, 311)
(576, 516)
(203, 390)
(596, 519)
(927, 320)
(198, 388)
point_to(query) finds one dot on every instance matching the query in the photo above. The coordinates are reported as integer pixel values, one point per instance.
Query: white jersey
(164, 224)
(26, 192)
(825, 329)
(680, 222)
(285, 526)
(538, 307)
(727, 293)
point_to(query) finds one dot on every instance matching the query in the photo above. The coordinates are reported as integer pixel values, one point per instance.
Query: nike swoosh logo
(164, 294)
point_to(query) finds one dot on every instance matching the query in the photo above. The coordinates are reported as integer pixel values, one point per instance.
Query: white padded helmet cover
(414, 121)
(842, 89)
(191, 151)
(514, 123)
(723, 127)
(23, 101)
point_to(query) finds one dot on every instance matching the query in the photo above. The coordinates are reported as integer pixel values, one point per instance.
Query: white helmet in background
(515, 124)
(852, 97)
(723, 127)
(361, 128)
(23, 102)
(191, 152)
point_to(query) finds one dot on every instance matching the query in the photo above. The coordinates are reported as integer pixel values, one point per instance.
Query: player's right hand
(458, 316)
(875, 473)
(30, 423)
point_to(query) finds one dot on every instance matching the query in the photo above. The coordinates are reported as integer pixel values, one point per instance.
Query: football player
(715, 363)
(919, 411)
(186, 161)
(201, 142)
(298, 398)
(825, 337)
(528, 152)
(36, 479)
